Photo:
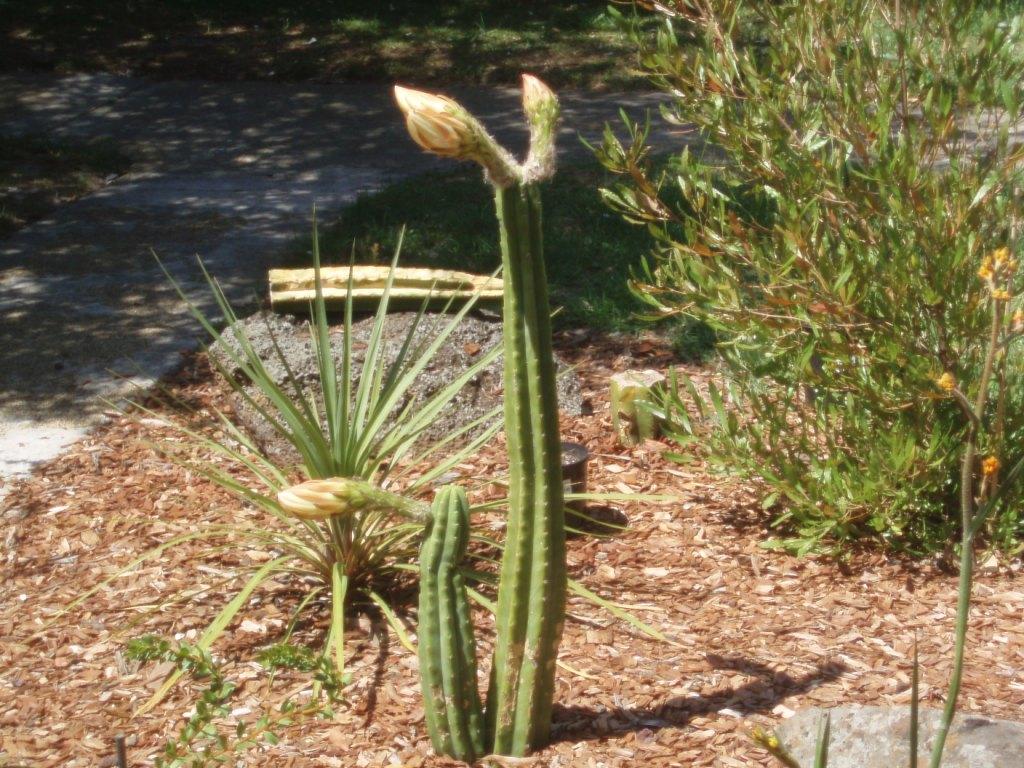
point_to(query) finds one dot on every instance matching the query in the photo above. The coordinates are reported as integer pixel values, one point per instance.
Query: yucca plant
(356, 427)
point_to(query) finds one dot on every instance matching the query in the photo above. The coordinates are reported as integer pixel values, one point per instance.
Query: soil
(751, 635)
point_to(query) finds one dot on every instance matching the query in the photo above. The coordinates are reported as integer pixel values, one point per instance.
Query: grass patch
(451, 224)
(37, 175)
(429, 43)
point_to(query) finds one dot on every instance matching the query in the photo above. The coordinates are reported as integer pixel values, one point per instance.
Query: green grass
(429, 43)
(37, 175)
(451, 224)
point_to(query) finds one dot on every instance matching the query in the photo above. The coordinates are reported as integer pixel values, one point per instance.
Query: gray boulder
(877, 737)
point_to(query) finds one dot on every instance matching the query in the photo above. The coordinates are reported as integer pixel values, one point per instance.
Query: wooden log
(632, 422)
(294, 289)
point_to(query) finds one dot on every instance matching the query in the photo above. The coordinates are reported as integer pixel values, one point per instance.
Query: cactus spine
(447, 647)
(531, 593)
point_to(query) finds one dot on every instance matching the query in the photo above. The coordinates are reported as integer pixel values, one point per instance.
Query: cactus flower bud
(538, 100)
(323, 499)
(436, 123)
(541, 107)
(442, 126)
(320, 499)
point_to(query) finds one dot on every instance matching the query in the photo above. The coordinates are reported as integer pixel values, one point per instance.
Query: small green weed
(206, 739)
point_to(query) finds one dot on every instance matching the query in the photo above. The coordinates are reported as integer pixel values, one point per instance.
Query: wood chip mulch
(753, 634)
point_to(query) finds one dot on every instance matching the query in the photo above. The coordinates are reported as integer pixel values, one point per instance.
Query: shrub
(853, 168)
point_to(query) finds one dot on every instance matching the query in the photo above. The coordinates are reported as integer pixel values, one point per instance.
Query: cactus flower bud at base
(337, 496)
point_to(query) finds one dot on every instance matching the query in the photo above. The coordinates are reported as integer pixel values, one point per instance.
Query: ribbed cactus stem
(531, 593)
(447, 647)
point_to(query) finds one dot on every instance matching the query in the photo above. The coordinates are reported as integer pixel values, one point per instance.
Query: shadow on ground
(759, 696)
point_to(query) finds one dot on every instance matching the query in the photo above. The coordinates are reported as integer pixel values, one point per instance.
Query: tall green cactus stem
(447, 647)
(531, 593)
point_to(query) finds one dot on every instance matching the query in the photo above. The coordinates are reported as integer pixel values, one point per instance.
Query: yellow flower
(946, 382)
(997, 263)
(1000, 294)
(990, 466)
(1018, 320)
(767, 740)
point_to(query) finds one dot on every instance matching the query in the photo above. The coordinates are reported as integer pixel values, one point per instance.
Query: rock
(475, 336)
(877, 737)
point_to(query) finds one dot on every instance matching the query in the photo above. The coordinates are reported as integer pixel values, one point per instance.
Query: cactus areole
(531, 593)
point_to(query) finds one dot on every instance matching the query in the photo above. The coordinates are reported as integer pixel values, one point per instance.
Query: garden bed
(754, 634)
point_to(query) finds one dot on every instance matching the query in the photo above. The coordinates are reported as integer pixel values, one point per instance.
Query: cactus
(447, 647)
(341, 496)
(531, 592)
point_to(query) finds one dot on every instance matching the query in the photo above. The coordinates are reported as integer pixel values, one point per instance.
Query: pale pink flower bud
(442, 126)
(537, 97)
(541, 107)
(437, 123)
(320, 499)
(333, 496)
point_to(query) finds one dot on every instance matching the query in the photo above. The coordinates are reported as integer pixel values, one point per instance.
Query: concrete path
(228, 172)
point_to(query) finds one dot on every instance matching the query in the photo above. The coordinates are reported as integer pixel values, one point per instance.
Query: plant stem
(967, 510)
(531, 595)
(963, 607)
(447, 648)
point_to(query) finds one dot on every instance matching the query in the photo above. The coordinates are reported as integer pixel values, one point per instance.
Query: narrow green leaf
(339, 587)
(393, 620)
(915, 701)
(824, 736)
(618, 612)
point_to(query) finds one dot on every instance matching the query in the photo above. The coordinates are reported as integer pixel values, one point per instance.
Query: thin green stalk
(339, 587)
(963, 606)
(967, 511)
(915, 705)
